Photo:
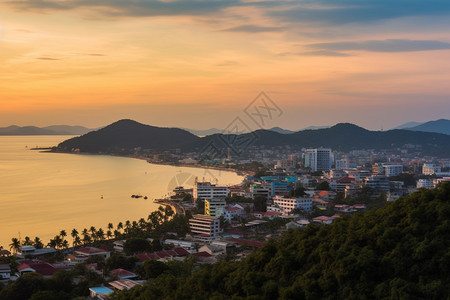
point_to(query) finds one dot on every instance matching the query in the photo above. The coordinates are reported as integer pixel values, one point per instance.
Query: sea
(42, 193)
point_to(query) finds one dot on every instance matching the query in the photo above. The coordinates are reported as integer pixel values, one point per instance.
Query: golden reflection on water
(43, 193)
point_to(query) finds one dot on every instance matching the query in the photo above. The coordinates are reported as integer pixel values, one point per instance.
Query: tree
(323, 186)
(136, 245)
(27, 241)
(74, 234)
(38, 243)
(15, 245)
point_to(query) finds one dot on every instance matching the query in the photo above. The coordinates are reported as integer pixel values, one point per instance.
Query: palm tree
(119, 226)
(38, 243)
(15, 245)
(62, 234)
(65, 244)
(86, 237)
(93, 232)
(77, 241)
(110, 226)
(116, 234)
(27, 241)
(109, 234)
(142, 224)
(100, 234)
(74, 234)
(127, 226)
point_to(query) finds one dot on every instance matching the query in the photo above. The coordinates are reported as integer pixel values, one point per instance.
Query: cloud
(389, 45)
(127, 8)
(48, 58)
(253, 29)
(318, 53)
(342, 12)
(228, 63)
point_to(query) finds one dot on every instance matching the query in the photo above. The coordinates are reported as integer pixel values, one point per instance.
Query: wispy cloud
(317, 53)
(48, 58)
(253, 29)
(389, 45)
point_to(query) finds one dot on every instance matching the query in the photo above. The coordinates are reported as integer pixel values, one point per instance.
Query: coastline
(181, 165)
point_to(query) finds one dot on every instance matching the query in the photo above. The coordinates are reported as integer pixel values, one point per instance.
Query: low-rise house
(213, 250)
(100, 292)
(234, 212)
(122, 274)
(5, 272)
(163, 255)
(325, 219)
(126, 284)
(92, 251)
(118, 245)
(32, 251)
(269, 214)
(43, 268)
(187, 245)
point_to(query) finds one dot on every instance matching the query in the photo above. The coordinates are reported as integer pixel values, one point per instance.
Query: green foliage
(136, 245)
(401, 251)
(117, 261)
(408, 179)
(323, 186)
(298, 192)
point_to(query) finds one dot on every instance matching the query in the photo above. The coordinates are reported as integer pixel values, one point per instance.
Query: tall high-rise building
(318, 159)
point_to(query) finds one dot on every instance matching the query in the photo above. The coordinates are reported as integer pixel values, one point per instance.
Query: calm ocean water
(43, 193)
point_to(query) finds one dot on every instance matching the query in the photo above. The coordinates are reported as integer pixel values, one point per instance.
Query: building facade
(318, 159)
(205, 225)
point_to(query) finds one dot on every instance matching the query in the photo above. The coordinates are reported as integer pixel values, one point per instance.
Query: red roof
(44, 269)
(256, 244)
(346, 179)
(202, 254)
(121, 273)
(323, 193)
(162, 254)
(90, 250)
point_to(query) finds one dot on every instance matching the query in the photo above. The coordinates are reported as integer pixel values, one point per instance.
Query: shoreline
(181, 165)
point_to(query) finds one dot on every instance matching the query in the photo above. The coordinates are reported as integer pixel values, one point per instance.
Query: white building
(392, 170)
(261, 190)
(205, 225)
(318, 159)
(208, 191)
(234, 212)
(215, 207)
(425, 183)
(341, 164)
(5, 272)
(289, 204)
(430, 169)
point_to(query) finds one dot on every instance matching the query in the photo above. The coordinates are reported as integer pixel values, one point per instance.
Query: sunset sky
(198, 64)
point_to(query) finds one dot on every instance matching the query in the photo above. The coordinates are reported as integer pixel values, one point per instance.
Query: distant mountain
(439, 126)
(204, 132)
(49, 130)
(66, 129)
(341, 137)
(129, 134)
(407, 125)
(125, 135)
(281, 130)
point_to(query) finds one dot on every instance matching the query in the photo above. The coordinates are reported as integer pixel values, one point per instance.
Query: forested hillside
(401, 251)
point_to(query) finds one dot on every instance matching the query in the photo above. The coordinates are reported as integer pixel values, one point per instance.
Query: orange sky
(198, 64)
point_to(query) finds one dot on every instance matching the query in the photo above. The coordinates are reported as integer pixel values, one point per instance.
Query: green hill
(401, 251)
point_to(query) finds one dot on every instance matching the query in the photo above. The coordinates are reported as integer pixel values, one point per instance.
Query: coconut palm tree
(65, 244)
(110, 226)
(77, 241)
(116, 234)
(86, 237)
(62, 234)
(15, 245)
(93, 232)
(109, 234)
(27, 241)
(38, 243)
(74, 234)
(119, 226)
(100, 234)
